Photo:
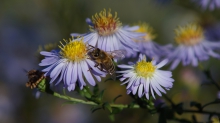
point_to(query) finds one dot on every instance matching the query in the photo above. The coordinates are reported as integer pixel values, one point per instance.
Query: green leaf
(100, 96)
(79, 91)
(95, 108)
(86, 89)
(116, 98)
(107, 105)
(64, 91)
(112, 117)
(86, 92)
(42, 85)
(96, 89)
(116, 110)
(131, 105)
(87, 95)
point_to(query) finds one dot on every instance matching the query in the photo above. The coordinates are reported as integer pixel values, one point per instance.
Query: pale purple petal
(87, 73)
(134, 89)
(162, 63)
(140, 90)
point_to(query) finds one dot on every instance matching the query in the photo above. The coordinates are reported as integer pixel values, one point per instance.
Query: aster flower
(192, 46)
(108, 34)
(70, 65)
(145, 77)
(146, 44)
(208, 4)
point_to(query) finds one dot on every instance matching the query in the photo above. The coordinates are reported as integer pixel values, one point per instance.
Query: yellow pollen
(105, 23)
(189, 35)
(74, 50)
(146, 28)
(145, 69)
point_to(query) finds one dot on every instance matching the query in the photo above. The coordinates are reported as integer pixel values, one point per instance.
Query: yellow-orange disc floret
(105, 23)
(145, 69)
(74, 50)
(146, 28)
(189, 35)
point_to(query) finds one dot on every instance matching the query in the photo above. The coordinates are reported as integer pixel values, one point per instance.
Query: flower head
(147, 45)
(189, 35)
(148, 30)
(74, 50)
(105, 23)
(108, 34)
(145, 77)
(208, 4)
(192, 46)
(70, 64)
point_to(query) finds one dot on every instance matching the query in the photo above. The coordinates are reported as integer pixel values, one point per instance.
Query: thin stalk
(90, 102)
(200, 112)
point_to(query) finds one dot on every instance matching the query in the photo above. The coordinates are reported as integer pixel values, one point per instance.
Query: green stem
(73, 99)
(90, 102)
(200, 112)
(169, 100)
(214, 102)
(208, 74)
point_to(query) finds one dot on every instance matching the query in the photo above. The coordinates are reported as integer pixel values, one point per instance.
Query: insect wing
(118, 54)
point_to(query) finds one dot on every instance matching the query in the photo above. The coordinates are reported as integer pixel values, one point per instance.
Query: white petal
(68, 74)
(125, 66)
(74, 73)
(140, 91)
(134, 89)
(154, 87)
(152, 92)
(87, 73)
(157, 85)
(80, 77)
(146, 86)
(162, 63)
(164, 73)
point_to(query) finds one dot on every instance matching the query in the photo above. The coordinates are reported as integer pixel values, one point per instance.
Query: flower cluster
(73, 65)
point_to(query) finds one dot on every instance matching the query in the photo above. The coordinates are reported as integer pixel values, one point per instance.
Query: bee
(105, 60)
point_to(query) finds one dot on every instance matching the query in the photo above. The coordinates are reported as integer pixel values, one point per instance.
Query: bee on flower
(145, 78)
(71, 64)
(108, 34)
(192, 46)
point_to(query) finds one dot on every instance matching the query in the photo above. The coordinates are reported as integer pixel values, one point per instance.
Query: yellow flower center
(145, 69)
(145, 28)
(105, 23)
(74, 50)
(189, 35)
